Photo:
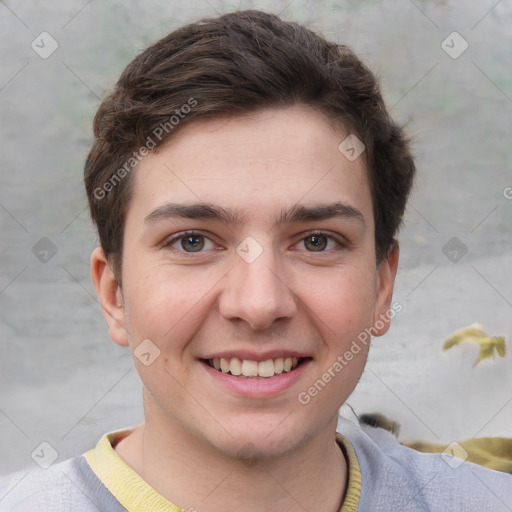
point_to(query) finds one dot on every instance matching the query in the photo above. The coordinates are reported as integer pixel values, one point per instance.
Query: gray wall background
(62, 381)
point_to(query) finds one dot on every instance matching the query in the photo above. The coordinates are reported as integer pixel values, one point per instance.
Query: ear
(110, 296)
(386, 273)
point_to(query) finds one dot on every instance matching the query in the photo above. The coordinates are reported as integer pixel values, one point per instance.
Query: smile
(249, 368)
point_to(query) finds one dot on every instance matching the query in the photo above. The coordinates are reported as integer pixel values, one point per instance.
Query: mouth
(250, 369)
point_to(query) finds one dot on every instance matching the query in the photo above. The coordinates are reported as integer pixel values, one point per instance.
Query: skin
(296, 295)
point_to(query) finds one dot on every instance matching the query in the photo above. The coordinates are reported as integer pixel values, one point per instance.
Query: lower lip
(266, 387)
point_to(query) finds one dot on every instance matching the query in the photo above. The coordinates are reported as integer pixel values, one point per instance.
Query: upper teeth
(249, 368)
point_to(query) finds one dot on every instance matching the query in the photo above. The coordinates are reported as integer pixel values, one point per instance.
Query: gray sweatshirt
(394, 479)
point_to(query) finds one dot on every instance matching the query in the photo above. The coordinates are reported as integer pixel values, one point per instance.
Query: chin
(251, 448)
(262, 438)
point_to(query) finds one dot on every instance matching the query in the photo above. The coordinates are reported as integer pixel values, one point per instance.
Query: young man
(247, 184)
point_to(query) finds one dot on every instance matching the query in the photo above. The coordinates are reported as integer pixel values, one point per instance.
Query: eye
(319, 242)
(194, 242)
(190, 242)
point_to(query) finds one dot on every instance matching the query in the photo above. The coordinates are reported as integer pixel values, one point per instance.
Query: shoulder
(69, 485)
(393, 474)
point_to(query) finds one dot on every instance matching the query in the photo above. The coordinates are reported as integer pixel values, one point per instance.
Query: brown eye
(316, 242)
(192, 243)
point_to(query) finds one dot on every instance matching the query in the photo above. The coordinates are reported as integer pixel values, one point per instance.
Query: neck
(193, 475)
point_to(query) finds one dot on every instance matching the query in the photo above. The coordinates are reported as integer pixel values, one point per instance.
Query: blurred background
(445, 70)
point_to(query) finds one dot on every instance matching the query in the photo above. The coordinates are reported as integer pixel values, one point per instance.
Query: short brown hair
(238, 63)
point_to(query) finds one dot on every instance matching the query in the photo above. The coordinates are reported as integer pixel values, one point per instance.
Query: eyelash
(338, 240)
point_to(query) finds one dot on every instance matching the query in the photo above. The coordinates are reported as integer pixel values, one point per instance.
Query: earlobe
(386, 274)
(110, 296)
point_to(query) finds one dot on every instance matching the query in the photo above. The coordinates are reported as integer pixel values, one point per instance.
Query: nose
(258, 292)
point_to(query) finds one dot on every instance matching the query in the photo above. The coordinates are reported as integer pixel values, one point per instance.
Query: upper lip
(256, 356)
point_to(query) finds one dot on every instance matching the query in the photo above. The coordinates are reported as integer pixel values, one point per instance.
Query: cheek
(343, 302)
(165, 306)
(342, 311)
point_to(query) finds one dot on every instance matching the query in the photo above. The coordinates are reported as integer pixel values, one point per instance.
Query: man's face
(249, 241)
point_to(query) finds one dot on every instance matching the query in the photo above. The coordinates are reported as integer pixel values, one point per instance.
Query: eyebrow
(297, 213)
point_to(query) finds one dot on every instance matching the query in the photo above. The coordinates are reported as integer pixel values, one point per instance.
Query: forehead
(254, 163)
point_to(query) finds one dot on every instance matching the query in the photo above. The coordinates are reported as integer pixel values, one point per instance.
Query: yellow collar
(136, 495)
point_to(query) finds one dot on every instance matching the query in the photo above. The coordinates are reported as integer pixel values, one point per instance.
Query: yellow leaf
(472, 333)
(489, 346)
